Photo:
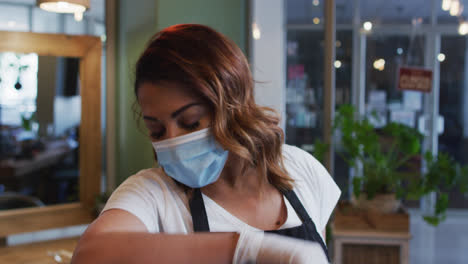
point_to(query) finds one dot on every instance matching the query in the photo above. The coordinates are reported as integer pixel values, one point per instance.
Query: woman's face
(170, 111)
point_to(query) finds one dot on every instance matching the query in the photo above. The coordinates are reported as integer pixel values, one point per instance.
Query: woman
(225, 173)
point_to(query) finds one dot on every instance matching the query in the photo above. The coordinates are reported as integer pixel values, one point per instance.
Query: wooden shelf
(33, 219)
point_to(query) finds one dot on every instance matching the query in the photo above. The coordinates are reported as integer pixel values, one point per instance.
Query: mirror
(40, 107)
(50, 133)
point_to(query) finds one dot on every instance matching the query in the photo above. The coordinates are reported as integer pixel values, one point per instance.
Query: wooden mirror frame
(88, 50)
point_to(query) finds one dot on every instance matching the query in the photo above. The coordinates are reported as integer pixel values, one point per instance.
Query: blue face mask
(195, 159)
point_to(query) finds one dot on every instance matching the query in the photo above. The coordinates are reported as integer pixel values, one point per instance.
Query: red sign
(295, 71)
(416, 79)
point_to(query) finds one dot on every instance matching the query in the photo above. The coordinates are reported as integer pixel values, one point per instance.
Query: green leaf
(434, 220)
(388, 157)
(357, 181)
(320, 149)
(441, 203)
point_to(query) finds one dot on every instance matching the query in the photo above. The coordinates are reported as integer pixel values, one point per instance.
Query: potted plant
(442, 175)
(100, 201)
(387, 161)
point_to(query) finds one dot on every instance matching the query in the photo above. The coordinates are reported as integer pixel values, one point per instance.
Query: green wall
(226, 16)
(137, 22)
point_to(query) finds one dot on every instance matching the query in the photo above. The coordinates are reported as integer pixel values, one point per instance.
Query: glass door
(453, 106)
(384, 103)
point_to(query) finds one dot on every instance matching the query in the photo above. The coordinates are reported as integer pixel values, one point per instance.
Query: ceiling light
(338, 43)
(399, 51)
(256, 31)
(315, 2)
(441, 57)
(316, 20)
(379, 64)
(367, 26)
(456, 8)
(446, 5)
(79, 16)
(337, 64)
(463, 28)
(64, 6)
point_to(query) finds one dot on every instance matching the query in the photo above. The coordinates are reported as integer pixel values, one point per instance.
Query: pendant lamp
(78, 7)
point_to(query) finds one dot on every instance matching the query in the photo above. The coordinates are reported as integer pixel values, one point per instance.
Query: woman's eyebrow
(175, 113)
(150, 118)
(182, 109)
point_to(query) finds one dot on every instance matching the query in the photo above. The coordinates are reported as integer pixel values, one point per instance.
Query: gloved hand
(260, 247)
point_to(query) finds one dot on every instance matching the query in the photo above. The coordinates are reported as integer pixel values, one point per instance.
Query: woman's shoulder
(300, 160)
(151, 176)
(150, 195)
(154, 183)
(312, 183)
(304, 168)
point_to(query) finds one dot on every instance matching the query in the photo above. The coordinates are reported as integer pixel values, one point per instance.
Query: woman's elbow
(91, 250)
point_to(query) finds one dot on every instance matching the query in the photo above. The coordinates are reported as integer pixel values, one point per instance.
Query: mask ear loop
(156, 163)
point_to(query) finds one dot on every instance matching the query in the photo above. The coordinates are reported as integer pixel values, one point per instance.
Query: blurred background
(309, 57)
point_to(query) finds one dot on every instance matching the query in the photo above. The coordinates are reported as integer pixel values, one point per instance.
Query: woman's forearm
(131, 247)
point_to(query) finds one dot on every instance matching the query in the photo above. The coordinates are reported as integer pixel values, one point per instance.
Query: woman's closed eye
(186, 126)
(158, 134)
(190, 126)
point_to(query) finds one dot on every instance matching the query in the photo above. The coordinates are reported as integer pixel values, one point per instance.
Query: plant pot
(383, 203)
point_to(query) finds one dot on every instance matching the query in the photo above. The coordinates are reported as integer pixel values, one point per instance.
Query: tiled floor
(445, 244)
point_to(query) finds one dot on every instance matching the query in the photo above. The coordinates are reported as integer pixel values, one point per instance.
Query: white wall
(268, 56)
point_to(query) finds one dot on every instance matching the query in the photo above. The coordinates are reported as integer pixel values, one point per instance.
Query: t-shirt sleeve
(134, 196)
(320, 189)
(330, 193)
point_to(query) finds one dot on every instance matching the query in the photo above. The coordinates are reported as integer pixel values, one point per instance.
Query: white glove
(260, 247)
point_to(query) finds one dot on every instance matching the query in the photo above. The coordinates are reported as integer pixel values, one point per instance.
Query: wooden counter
(56, 251)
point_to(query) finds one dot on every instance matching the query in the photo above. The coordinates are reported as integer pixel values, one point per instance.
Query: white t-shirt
(162, 206)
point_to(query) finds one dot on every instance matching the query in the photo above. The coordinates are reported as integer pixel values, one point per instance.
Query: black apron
(306, 230)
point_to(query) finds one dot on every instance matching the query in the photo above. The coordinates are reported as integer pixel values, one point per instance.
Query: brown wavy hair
(214, 68)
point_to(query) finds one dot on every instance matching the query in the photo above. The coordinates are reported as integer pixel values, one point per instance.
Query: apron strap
(197, 209)
(297, 205)
(200, 219)
(307, 221)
